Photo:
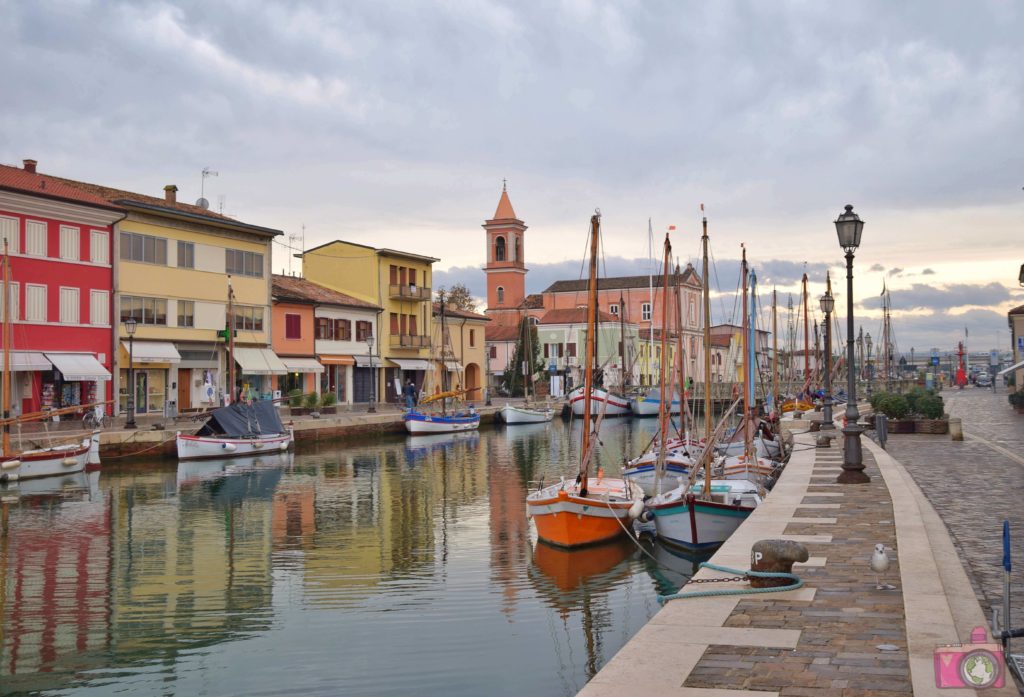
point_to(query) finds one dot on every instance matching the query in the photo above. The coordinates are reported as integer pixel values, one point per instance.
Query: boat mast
(622, 342)
(6, 384)
(588, 374)
(707, 356)
(650, 289)
(775, 351)
(663, 410)
(807, 337)
(747, 383)
(442, 366)
(680, 351)
(231, 342)
(828, 331)
(752, 368)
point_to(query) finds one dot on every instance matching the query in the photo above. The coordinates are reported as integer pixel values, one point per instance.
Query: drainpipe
(115, 316)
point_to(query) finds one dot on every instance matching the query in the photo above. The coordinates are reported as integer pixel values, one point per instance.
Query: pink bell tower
(506, 268)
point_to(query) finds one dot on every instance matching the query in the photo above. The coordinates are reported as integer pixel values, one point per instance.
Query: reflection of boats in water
(671, 568)
(76, 485)
(423, 444)
(195, 471)
(514, 432)
(567, 573)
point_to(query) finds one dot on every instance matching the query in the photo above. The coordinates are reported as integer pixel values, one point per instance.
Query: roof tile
(295, 288)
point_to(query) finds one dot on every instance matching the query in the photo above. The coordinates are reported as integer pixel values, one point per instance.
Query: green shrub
(876, 399)
(929, 406)
(1017, 398)
(329, 399)
(913, 394)
(893, 405)
(311, 401)
(295, 398)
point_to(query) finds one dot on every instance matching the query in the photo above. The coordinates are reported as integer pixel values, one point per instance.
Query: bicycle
(93, 421)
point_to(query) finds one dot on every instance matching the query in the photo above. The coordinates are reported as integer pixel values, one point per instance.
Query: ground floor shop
(303, 375)
(46, 381)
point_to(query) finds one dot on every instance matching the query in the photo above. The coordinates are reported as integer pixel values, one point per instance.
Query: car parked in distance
(983, 380)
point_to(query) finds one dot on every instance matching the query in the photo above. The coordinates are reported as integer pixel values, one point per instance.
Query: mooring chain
(725, 579)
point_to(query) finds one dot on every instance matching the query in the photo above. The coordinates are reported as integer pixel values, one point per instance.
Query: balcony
(408, 292)
(409, 341)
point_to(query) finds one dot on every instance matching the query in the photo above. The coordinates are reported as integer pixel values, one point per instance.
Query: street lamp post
(373, 378)
(849, 227)
(130, 325)
(870, 367)
(487, 390)
(827, 305)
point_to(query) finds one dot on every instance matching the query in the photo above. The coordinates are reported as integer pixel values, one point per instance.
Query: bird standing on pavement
(880, 564)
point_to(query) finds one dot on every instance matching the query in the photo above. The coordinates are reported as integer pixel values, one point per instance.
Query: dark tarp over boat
(241, 420)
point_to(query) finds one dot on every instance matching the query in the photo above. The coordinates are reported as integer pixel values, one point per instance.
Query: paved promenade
(837, 636)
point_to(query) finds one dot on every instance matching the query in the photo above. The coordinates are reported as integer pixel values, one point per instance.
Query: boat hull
(764, 448)
(642, 406)
(565, 519)
(683, 520)
(201, 447)
(48, 462)
(520, 415)
(617, 405)
(416, 422)
(643, 475)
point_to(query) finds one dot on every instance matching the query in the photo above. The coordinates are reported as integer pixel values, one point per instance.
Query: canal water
(392, 567)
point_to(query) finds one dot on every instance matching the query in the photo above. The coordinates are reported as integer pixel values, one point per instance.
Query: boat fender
(230, 447)
(68, 461)
(256, 444)
(10, 464)
(775, 556)
(637, 509)
(284, 445)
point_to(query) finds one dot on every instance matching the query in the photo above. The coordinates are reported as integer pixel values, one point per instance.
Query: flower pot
(329, 410)
(931, 426)
(298, 411)
(901, 426)
(1019, 408)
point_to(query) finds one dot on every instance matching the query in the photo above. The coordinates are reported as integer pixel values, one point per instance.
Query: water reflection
(212, 576)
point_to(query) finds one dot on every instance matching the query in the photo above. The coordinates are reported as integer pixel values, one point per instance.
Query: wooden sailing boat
(703, 515)
(41, 462)
(588, 510)
(800, 402)
(525, 413)
(446, 420)
(240, 428)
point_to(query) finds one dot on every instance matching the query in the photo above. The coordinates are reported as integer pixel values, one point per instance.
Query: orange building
(506, 266)
(293, 336)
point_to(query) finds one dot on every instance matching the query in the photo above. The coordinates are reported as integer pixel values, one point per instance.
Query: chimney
(30, 166)
(171, 193)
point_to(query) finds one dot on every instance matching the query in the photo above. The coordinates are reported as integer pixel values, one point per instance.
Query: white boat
(420, 422)
(237, 430)
(526, 415)
(684, 520)
(49, 462)
(765, 448)
(650, 403)
(617, 404)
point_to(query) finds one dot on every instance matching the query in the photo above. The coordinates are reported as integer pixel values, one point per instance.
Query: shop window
(186, 313)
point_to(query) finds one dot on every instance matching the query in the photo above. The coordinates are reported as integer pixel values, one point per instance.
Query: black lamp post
(373, 378)
(827, 305)
(487, 391)
(870, 367)
(849, 227)
(130, 325)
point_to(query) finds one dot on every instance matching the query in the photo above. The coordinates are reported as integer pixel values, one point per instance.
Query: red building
(60, 244)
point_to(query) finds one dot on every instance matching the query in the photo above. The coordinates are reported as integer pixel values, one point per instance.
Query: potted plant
(1017, 400)
(328, 403)
(295, 403)
(930, 418)
(895, 407)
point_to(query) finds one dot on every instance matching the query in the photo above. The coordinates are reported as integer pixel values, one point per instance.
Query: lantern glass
(130, 325)
(828, 303)
(849, 227)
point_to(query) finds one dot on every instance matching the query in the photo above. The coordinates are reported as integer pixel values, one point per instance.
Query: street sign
(935, 360)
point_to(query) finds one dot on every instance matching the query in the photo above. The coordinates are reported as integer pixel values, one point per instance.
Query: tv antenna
(202, 202)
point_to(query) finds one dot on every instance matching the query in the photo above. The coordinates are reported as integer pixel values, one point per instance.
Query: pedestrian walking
(409, 391)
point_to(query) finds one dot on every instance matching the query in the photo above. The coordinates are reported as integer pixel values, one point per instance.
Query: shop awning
(302, 365)
(367, 361)
(1011, 368)
(27, 361)
(337, 360)
(152, 352)
(76, 367)
(411, 363)
(259, 361)
(453, 366)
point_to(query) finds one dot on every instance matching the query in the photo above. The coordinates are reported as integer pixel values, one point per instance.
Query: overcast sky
(393, 124)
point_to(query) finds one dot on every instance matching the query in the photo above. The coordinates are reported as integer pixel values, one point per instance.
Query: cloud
(920, 296)
(877, 268)
(894, 272)
(928, 272)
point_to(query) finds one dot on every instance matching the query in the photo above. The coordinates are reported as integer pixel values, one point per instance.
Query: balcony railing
(409, 292)
(409, 341)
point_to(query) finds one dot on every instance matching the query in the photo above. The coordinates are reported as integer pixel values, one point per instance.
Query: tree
(459, 296)
(513, 376)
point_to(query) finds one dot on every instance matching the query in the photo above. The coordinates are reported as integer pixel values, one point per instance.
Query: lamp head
(828, 303)
(849, 227)
(369, 343)
(867, 341)
(130, 325)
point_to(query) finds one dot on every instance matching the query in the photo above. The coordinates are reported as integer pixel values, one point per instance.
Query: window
(248, 318)
(501, 295)
(394, 324)
(9, 229)
(364, 330)
(292, 323)
(35, 238)
(693, 311)
(472, 338)
(144, 310)
(412, 325)
(343, 330)
(186, 255)
(14, 303)
(614, 309)
(69, 238)
(493, 353)
(35, 303)
(143, 248)
(99, 247)
(186, 313)
(99, 307)
(393, 276)
(645, 312)
(570, 349)
(412, 277)
(69, 305)
(517, 256)
(499, 249)
(244, 263)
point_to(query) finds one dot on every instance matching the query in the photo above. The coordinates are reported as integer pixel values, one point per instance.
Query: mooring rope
(797, 583)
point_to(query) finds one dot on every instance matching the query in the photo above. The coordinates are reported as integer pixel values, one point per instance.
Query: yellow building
(400, 283)
(172, 266)
(464, 348)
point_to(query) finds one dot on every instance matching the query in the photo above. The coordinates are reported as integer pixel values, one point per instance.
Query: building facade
(506, 264)
(464, 346)
(562, 335)
(59, 241)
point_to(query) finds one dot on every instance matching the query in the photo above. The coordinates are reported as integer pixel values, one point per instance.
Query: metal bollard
(777, 556)
(882, 429)
(956, 429)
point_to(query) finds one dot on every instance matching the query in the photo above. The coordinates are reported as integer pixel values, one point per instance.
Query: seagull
(880, 564)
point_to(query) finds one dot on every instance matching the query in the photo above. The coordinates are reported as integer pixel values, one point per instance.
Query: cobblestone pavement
(841, 629)
(974, 485)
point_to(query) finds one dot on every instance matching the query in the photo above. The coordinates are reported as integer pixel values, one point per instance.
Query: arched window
(501, 292)
(499, 249)
(519, 256)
